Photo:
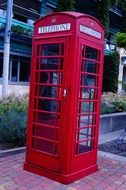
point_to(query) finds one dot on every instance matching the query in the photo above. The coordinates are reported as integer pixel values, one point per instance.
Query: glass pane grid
(47, 97)
(88, 95)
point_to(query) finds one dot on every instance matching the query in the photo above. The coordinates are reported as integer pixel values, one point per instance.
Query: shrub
(13, 120)
(13, 128)
(113, 103)
(12, 102)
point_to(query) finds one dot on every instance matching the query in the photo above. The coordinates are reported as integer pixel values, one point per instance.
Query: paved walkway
(110, 176)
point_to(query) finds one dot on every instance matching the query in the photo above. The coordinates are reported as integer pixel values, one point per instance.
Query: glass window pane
(85, 146)
(46, 118)
(47, 91)
(50, 49)
(88, 93)
(91, 53)
(14, 72)
(61, 63)
(24, 76)
(45, 132)
(86, 107)
(49, 77)
(45, 146)
(89, 66)
(48, 105)
(88, 80)
(49, 63)
(62, 49)
(86, 120)
(85, 133)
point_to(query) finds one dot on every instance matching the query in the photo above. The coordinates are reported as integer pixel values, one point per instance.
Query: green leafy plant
(103, 12)
(13, 128)
(65, 5)
(21, 30)
(12, 102)
(121, 40)
(113, 103)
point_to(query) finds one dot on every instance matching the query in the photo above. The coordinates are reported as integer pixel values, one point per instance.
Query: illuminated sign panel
(54, 28)
(90, 31)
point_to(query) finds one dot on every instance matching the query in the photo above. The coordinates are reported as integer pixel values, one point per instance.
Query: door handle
(64, 93)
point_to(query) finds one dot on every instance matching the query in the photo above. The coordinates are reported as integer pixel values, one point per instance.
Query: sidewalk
(110, 176)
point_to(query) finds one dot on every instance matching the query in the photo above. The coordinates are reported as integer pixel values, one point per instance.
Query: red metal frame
(65, 91)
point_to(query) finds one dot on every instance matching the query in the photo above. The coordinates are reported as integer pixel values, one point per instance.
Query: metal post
(7, 47)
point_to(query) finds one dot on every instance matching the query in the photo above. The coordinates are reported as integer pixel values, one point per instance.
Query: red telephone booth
(65, 91)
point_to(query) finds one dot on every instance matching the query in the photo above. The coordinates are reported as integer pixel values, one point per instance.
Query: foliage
(13, 128)
(103, 12)
(13, 120)
(111, 70)
(21, 30)
(15, 103)
(65, 5)
(121, 40)
(113, 103)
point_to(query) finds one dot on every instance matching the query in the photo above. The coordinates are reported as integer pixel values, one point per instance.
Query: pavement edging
(112, 156)
(13, 151)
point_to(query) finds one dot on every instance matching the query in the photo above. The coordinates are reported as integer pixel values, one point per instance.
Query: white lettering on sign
(54, 28)
(90, 31)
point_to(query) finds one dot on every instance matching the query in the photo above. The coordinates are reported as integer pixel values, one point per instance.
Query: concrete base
(112, 122)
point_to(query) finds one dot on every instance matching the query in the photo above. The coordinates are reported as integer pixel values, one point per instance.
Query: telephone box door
(91, 57)
(47, 110)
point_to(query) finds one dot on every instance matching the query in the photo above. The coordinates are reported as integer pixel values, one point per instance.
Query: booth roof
(72, 14)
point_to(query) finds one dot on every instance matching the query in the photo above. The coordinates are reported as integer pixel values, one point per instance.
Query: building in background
(25, 12)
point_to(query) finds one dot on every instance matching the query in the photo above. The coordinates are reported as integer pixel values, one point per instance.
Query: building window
(24, 72)
(19, 70)
(2, 12)
(20, 18)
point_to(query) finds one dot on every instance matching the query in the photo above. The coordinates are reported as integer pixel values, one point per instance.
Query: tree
(65, 5)
(103, 12)
(111, 71)
(121, 40)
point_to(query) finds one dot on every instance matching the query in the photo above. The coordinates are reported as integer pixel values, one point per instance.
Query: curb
(112, 156)
(13, 151)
